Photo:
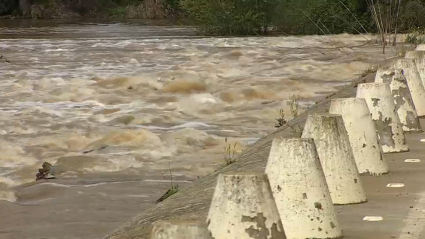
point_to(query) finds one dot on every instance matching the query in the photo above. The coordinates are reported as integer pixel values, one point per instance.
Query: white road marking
(395, 185)
(373, 218)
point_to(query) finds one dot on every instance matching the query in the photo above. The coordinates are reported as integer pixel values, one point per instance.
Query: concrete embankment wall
(193, 203)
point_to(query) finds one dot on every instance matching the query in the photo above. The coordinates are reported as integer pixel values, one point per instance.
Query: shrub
(416, 36)
(322, 16)
(7, 6)
(230, 17)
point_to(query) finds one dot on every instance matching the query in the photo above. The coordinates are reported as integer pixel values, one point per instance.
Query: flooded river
(115, 105)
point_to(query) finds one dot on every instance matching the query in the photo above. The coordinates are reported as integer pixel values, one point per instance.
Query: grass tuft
(370, 70)
(229, 153)
(283, 120)
(417, 36)
(173, 189)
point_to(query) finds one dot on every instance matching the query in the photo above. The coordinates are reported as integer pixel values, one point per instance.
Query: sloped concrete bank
(193, 203)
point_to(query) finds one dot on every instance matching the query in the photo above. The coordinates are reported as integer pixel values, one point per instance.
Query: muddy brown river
(115, 105)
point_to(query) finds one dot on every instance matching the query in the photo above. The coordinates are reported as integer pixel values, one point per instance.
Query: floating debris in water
(91, 150)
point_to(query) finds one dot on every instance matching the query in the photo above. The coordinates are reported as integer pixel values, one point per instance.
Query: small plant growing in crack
(283, 120)
(229, 152)
(370, 70)
(173, 189)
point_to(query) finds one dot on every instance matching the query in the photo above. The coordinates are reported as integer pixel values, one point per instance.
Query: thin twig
(354, 17)
(171, 177)
(325, 27)
(312, 22)
(396, 23)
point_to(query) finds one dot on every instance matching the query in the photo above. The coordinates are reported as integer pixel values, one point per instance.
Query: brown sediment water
(115, 105)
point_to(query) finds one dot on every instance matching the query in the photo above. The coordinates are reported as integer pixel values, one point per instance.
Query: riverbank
(60, 9)
(118, 104)
(398, 207)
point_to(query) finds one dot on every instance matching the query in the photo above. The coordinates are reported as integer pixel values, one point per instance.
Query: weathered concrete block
(387, 123)
(414, 82)
(300, 190)
(179, 230)
(419, 58)
(336, 156)
(361, 133)
(420, 47)
(243, 207)
(402, 98)
(415, 54)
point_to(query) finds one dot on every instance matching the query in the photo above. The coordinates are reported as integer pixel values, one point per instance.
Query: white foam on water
(195, 125)
(52, 89)
(55, 185)
(8, 196)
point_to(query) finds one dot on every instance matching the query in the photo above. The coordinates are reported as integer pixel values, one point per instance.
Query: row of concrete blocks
(305, 177)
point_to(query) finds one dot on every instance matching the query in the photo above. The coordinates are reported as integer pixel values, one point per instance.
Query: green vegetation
(229, 153)
(173, 189)
(248, 17)
(416, 36)
(369, 70)
(283, 120)
(231, 17)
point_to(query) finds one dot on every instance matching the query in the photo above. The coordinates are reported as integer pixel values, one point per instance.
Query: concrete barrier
(179, 230)
(402, 98)
(414, 82)
(336, 156)
(387, 123)
(243, 207)
(420, 47)
(419, 58)
(300, 190)
(415, 54)
(362, 134)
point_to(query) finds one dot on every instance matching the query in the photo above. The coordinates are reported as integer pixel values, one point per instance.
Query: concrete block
(387, 123)
(415, 83)
(300, 190)
(402, 98)
(420, 47)
(336, 157)
(362, 134)
(243, 207)
(179, 230)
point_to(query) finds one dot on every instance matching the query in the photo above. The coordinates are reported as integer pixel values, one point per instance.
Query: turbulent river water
(115, 105)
